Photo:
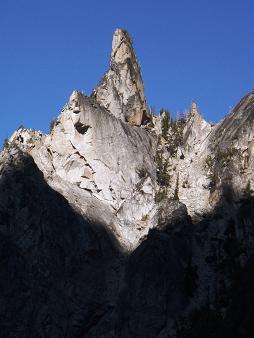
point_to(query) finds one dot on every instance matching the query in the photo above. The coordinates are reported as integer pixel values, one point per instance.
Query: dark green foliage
(222, 164)
(213, 181)
(175, 135)
(223, 158)
(165, 121)
(5, 144)
(186, 184)
(160, 195)
(147, 120)
(176, 197)
(142, 173)
(145, 218)
(248, 192)
(163, 177)
(209, 162)
(209, 166)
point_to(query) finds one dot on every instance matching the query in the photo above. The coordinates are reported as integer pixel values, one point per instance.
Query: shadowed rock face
(64, 276)
(57, 269)
(114, 227)
(61, 275)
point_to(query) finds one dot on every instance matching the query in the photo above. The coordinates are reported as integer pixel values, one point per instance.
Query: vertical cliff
(123, 224)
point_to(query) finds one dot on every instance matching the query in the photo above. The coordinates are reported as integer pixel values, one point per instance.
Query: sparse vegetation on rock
(248, 192)
(52, 124)
(6, 143)
(175, 135)
(160, 195)
(165, 122)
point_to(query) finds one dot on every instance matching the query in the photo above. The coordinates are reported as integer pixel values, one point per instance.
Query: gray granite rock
(122, 224)
(121, 89)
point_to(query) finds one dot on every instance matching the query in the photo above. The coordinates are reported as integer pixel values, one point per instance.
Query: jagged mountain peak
(102, 219)
(121, 90)
(194, 108)
(194, 111)
(196, 128)
(122, 47)
(235, 129)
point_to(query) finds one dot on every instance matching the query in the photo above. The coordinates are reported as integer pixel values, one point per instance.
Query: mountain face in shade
(121, 223)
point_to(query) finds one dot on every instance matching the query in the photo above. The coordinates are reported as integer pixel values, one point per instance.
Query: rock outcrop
(123, 224)
(108, 163)
(121, 90)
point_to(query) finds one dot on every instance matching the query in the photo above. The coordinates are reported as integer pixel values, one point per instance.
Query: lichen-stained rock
(121, 90)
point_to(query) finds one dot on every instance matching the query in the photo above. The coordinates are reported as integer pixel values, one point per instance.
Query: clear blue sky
(200, 50)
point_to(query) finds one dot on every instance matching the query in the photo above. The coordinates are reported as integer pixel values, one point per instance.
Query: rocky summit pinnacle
(122, 223)
(194, 108)
(121, 90)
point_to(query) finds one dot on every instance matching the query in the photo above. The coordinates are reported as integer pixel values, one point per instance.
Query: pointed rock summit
(196, 129)
(194, 108)
(121, 90)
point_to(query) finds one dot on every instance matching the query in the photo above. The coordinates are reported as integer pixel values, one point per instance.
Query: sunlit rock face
(121, 223)
(121, 89)
(107, 162)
